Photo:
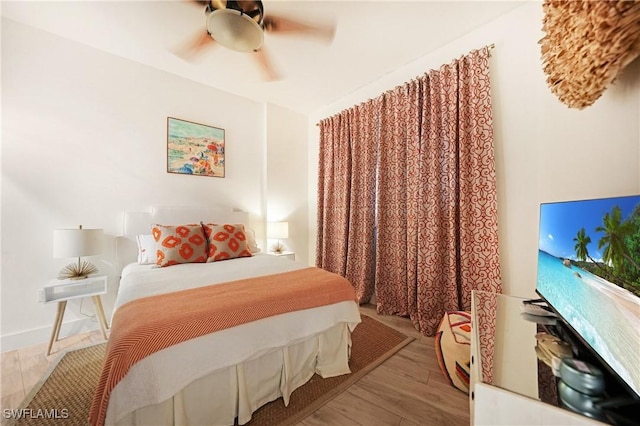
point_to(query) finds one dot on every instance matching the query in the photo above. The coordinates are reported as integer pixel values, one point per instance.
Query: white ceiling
(372, 38)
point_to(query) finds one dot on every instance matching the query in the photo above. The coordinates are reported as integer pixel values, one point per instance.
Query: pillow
(453, 348)
(251, 240)
(251, 236)
(146, 249)
(226, 242)
(179, 244)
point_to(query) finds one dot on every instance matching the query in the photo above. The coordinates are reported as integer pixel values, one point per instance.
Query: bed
(218, 374)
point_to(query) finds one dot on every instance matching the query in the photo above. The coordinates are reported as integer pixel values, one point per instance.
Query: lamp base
(277, 248)
(77, 271)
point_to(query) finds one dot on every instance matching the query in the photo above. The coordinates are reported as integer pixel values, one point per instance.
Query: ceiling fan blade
(265, 65)
(194, 46)
(279, 24)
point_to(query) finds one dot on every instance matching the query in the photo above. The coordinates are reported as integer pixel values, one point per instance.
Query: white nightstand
(63, 290)
(287, 254)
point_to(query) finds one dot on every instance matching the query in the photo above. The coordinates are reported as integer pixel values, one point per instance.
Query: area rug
(64, 395)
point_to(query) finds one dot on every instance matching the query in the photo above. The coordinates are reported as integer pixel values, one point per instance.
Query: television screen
(589, 272)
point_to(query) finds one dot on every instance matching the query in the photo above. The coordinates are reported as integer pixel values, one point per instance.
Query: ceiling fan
(241, 25)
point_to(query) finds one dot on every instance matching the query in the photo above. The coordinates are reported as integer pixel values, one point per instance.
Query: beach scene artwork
(195, 149)
(589, 272)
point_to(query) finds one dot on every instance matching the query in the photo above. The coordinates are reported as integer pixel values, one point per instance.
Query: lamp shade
(278, 230)
(77, 242)
(235, 30)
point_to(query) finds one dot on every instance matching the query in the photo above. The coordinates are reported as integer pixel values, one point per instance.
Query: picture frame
(195, 149)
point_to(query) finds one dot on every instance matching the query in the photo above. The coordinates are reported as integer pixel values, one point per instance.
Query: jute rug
(64, 395)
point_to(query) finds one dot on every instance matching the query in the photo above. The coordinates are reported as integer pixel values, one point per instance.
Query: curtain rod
(489, 47)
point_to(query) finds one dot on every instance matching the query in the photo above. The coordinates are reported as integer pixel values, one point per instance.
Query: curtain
(439, 271)
(479, 255)
(334, 189)
(346, 197)
(436, 235)
(395, 238)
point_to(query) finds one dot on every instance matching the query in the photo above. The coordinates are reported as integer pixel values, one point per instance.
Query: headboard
(136, 223)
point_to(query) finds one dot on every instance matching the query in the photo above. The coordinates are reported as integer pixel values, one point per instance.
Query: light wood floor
(406, 390)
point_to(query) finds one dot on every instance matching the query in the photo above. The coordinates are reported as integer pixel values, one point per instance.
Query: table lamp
(77, 243)
(277, 231)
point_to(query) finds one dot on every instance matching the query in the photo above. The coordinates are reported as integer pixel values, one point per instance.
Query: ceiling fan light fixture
(235, 30)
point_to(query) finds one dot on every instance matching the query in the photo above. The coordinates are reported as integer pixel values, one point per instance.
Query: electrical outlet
(41, 295)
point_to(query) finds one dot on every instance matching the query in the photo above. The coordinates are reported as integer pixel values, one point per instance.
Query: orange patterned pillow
(226, 242)
(179, 244)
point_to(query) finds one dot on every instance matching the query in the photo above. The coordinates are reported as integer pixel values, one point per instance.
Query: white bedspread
(148, 280)
(163, 374)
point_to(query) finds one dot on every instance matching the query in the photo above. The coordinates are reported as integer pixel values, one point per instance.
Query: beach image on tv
(589, 271)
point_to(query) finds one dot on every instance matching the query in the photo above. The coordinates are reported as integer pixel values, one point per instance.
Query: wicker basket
(587, 44)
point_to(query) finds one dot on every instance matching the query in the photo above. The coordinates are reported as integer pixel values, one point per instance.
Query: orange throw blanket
(150, 324)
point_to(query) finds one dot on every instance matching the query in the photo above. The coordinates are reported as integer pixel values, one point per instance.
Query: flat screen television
(589, 274)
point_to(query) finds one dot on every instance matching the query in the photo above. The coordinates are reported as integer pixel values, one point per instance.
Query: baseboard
(42, 335)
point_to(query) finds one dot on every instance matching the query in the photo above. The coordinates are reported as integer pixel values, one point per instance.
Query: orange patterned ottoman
(453, 347)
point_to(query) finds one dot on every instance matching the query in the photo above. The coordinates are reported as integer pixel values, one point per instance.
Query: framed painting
(194, 149)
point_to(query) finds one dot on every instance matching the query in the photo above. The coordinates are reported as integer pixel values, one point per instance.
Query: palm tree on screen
(582, 252)
(582, 240)
(615, 231)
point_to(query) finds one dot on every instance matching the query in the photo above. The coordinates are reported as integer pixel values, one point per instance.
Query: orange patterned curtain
(333, 194)
(346, 197)
(478, 238)
(436, 227)
(396, 239)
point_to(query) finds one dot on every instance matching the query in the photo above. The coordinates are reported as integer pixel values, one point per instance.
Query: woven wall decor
(587, 43)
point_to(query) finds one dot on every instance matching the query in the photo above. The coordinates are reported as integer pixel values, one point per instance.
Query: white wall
(84, 139)
(544, 150)
(286, 193)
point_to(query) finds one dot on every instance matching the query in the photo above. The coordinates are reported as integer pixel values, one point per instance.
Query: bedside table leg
(56, 325)
(97, 304)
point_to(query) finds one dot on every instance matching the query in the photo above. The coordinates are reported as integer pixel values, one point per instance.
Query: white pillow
(146, 249)
(251, 240)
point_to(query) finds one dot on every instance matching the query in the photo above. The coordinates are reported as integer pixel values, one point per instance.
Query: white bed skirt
(239, 390)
